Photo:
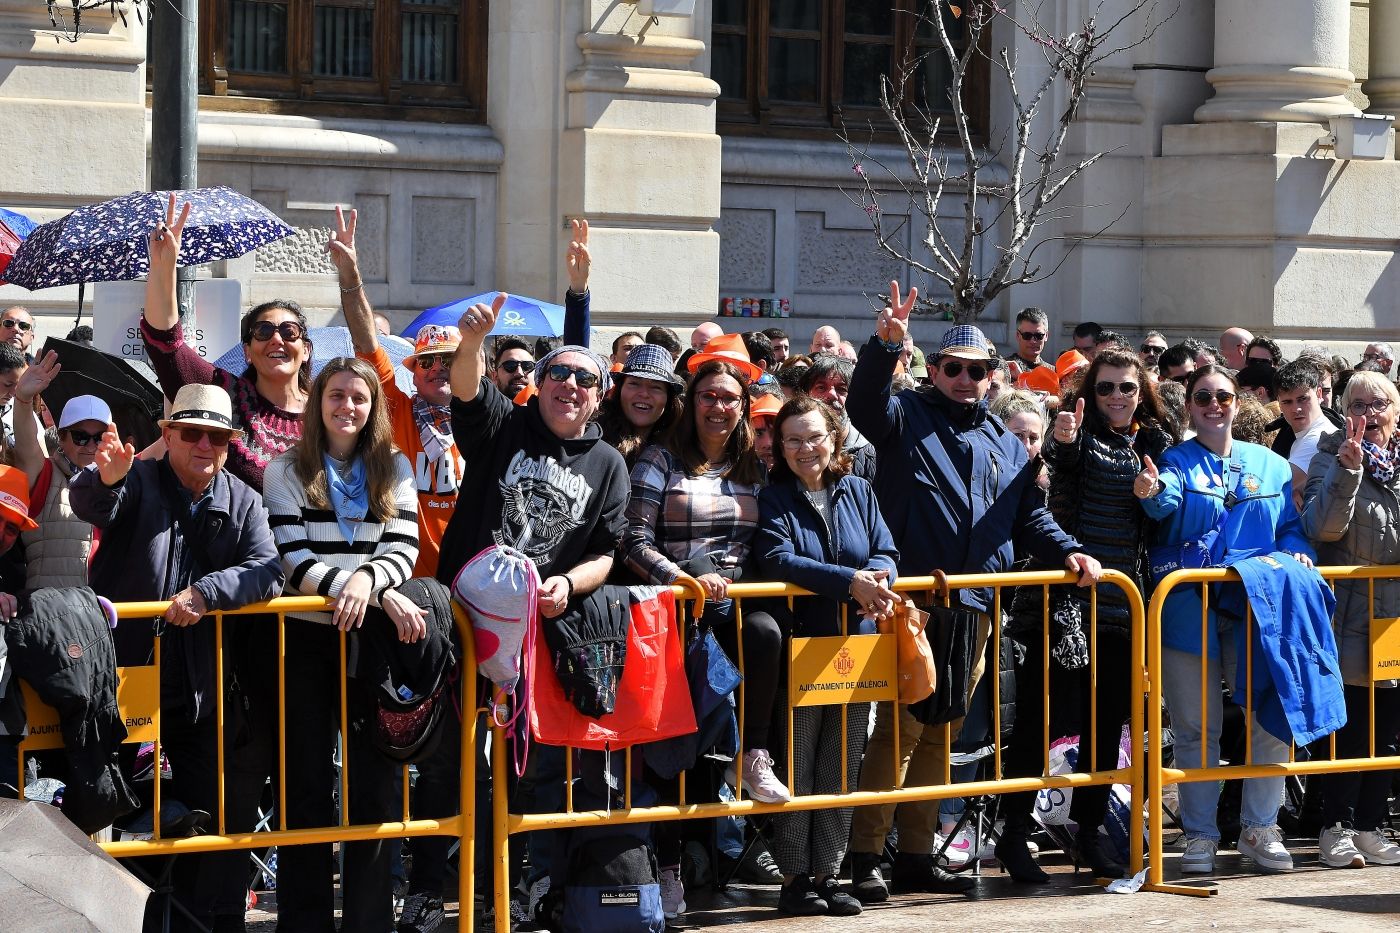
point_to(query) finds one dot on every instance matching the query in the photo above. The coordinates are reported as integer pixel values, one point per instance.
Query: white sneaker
(1264, 844)
(964, 847)
(672, 892)
(760, 782)
(1336, 847)
(1198, 858)
(1378, 848)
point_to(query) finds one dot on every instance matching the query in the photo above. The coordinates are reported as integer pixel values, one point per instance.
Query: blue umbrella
(107, 242)
(520, 316)
(17, 222)
(327, 343)
(13, 229)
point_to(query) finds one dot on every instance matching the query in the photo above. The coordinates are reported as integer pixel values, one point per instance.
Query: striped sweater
(315, 555)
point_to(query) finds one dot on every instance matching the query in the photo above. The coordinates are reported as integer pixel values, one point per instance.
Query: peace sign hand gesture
(341, 248)
(1145, 486)
(1349, 454)
(1067, 424)
(893, 322)
(577, 257)
(479, 320)
(163, 244)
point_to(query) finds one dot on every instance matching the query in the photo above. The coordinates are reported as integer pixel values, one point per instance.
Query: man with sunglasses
(1032, 330)
(512, 366)
(185, 529)
(1151, 350)
(17, 329)
(954, 486)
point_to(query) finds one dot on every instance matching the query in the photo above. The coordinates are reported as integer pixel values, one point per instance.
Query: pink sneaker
(760, 782)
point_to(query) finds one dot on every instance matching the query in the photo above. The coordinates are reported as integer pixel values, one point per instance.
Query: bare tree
(1018, 176)
(72, 29)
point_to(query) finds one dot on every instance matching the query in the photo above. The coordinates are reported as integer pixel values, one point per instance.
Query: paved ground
(1312, 898)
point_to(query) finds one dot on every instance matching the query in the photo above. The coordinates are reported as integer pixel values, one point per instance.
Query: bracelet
(569, 580)
(891, 346)
(356, 287)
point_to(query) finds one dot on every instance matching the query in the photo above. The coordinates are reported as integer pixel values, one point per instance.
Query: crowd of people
(838, 469)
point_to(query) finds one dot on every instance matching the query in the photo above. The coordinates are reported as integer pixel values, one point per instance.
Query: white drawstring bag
(499, 588)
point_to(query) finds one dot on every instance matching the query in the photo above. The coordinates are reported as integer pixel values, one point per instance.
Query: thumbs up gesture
(1067, 424)
(893, 322)
(1349, 453)
(479, 320)
(1145, 486)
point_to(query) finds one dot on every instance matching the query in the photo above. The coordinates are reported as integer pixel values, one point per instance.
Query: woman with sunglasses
(343, 506)
(1216, 496)
(821, 529)
(1352, 511)
(645, 402)
(268, 396)
(1101, 438)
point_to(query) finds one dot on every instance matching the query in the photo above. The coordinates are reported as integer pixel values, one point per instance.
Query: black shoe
(1093, 856)
(758, 867)
(1015, 857)
(867, 884)
(800, 899)
(917, 874)
(421, 914)
(838, 902)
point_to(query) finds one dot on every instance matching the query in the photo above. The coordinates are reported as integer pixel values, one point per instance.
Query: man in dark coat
(184, 529)
(953, 485)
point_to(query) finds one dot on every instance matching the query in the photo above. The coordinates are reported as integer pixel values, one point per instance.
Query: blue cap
(965, 342)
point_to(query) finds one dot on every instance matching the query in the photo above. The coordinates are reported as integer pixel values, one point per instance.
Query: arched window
(371, 53)
(795, 65)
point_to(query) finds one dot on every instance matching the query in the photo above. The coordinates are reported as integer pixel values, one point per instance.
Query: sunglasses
(1031, 335)
(1181, 380)
(11, 323)
(1105, 389)
(428, 361)
(521, 366)
(262, 331)
(583, 378)
(1202, 398)
(83, 438)
(953, 369)
(217, 438)
(1149, 349)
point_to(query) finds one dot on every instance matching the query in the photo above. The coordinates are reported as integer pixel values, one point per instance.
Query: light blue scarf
(349, 495)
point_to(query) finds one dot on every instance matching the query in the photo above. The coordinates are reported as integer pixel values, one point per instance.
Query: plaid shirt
(676, 517)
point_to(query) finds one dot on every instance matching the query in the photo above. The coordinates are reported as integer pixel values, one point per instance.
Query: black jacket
(60, 643)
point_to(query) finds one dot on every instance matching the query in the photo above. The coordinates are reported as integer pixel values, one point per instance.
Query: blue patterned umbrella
(107, 242)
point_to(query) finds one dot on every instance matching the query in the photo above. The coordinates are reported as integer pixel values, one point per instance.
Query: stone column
(1383, 86)
(1279, 61)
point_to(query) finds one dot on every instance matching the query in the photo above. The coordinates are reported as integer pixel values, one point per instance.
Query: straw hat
(202, 405)
(433, 338)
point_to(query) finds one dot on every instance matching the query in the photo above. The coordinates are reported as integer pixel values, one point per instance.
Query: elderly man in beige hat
(184, 529)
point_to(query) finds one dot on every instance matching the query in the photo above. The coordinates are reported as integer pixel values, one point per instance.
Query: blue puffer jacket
(952, 482)
(796, 545)
(1191, 503)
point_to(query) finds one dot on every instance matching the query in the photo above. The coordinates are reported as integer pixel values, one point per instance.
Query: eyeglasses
(1031, 335)
(795, 444)
(521, 366)
(1373, 407)
(583, 378)
(82, 438)
(24, 326)
(953, 369)
(1373, 355)
(717, 400)
(192, 435)
(1151, 349)
(1202, 398)
(428, 361)
(262, 331)
(1105, 389)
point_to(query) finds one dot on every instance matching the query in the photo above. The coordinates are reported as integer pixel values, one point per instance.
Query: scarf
(434, 424)
(1383, 463)
(349, 495)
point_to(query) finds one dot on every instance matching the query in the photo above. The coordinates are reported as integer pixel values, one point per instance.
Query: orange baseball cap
(14, 497)
(1069, 362)
(1039, 379)
(765, 406)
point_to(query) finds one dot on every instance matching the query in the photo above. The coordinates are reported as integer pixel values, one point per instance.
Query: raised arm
(29, 447)
(162, 311)
(466, 365)
(354, 303)
(576, 301)
(874, 413)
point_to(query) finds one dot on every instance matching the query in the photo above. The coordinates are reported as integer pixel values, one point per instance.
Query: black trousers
(764, 664)
(1026, 755)
(305, 886)
(1358, 798)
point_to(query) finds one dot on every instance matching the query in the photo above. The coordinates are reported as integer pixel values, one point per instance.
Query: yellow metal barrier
(138, 699)
(507, 824)
(1158, 776)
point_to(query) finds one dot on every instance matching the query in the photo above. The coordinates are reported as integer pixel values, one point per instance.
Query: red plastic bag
(653, 697)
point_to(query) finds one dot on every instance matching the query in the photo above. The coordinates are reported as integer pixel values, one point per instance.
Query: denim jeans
(1181, 684)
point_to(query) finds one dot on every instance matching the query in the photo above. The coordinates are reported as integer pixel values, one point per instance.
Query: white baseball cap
(84, 408)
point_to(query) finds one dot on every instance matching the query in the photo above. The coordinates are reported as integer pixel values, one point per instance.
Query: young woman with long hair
(343, 509)
(645, 403)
